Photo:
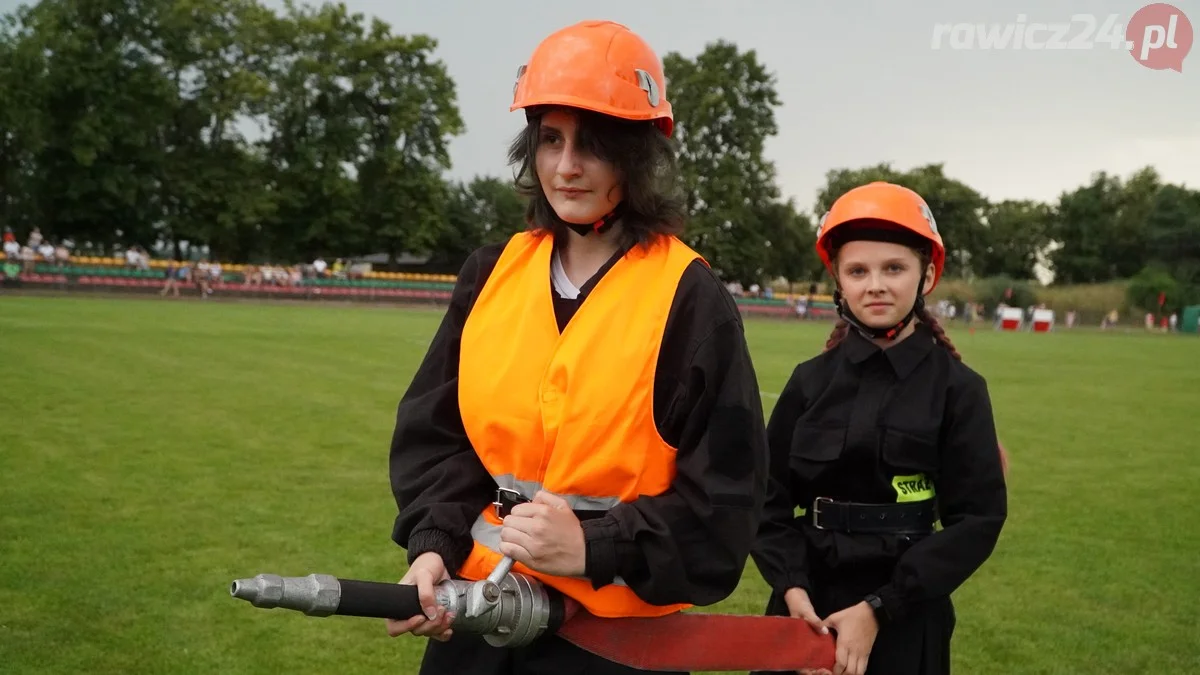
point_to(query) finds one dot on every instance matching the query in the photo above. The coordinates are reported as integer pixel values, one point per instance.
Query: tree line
(268, 135)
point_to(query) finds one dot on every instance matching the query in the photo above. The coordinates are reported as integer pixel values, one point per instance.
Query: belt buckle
(816, 510)
(506, 498)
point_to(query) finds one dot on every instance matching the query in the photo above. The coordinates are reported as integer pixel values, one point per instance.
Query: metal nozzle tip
(316, 594)
(244, 589)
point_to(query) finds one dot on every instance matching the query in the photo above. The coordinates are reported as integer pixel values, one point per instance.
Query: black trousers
(918, 644)
(465, 654)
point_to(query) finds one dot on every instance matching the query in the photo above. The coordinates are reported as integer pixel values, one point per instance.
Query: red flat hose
(702, 642)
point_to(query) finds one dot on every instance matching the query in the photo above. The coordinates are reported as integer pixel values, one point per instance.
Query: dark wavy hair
(645, 162)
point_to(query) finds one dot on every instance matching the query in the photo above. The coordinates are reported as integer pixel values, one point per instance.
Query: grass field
(152, 451)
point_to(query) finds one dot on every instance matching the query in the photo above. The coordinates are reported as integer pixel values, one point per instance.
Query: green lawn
(152, 451)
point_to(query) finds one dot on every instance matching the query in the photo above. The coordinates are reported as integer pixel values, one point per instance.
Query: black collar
(903, 356)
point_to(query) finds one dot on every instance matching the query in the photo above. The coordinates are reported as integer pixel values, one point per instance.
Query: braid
(840, 330)
(939, 333)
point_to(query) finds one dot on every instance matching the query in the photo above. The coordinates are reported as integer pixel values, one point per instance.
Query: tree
(212, 182)
(485, 211)
(958, 209)
(1084, 226)
(1173, 239)
(103, 100)
(1018, 230)
(22, 78)
(360, 121)
(1126, 250)
(724, 103)
(790, 239)
(1153, 282)
(406, 103)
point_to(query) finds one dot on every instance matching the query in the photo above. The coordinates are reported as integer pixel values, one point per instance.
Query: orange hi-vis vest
(571, 414)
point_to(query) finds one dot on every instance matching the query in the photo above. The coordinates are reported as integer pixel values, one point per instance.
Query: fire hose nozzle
(314, 595)
(520, 611)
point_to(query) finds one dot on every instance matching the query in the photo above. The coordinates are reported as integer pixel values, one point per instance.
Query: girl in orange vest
(874, 442)
(588, 406)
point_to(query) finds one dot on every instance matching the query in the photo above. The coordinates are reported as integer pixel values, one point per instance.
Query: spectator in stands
(184, 273)
(643, 395)
(12, 249)
(203, 278)
(62, 255)
(35, 239)
(172, 283)
(46, 252)
(319, 266)
(215, 275)
(29, 259)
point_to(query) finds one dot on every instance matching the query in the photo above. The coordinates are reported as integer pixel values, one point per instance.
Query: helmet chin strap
(599, 227)
(870, 333)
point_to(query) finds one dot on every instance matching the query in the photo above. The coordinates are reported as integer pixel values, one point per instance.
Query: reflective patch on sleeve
(914, 488)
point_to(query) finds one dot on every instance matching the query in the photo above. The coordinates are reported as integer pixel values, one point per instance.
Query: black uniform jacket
(848, 422)
(688, 545)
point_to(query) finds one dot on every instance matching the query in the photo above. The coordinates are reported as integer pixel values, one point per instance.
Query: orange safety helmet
(600, 66)
(879, 207)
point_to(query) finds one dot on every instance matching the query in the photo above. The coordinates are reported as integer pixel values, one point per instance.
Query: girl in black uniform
(874, 442)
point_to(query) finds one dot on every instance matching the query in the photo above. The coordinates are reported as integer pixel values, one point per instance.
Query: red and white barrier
(1012, 318)
(1043, 320)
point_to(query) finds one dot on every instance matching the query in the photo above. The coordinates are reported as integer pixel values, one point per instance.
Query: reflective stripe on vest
(529, 488)
(571, 414)
(486, 531)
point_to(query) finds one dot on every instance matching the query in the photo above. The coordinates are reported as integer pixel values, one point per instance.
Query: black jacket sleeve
(690, 544)
(972, 503)
(781, 549)
(439, 483)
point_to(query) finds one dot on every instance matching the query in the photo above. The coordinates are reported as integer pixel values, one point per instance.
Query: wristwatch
(876, 604)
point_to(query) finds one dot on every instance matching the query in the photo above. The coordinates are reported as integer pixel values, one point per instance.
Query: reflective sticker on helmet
(517, 83)
(821, 225)
(928, 213)
(648, 85)
(914, 488)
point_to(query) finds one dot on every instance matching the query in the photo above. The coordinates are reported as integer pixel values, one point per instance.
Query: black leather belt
(506, 499)
(857, 517)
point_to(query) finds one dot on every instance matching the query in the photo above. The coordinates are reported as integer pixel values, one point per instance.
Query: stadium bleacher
(108, 274)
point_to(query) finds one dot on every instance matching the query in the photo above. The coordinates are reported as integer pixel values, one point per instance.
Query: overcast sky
(860, 84)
